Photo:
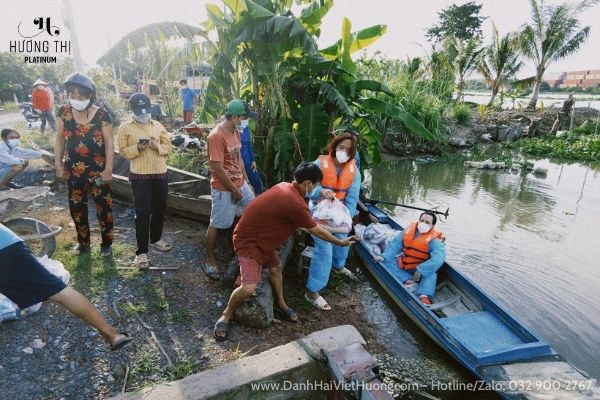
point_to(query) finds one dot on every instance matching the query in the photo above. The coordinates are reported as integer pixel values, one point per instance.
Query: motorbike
(29, 112)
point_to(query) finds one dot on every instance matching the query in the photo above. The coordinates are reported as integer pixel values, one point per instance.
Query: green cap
(235, 107)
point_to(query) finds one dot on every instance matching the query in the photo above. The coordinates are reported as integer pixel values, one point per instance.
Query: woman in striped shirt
(146, 143)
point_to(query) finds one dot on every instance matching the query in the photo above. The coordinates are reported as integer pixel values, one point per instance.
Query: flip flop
(119, 344)
(211, 271)
(221, 326)
(319, 303)
(288, 315)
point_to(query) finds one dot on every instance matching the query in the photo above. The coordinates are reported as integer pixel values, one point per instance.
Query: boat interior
(469, 316)
(180, 181)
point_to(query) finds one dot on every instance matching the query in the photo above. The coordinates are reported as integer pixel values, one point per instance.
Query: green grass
(90, 271)
(182, 368)
(34, 135)
(10, 106)
(461, 113)
(156, 296)
(133, 308)
(190, 160)
(144, 363)
(179, 316)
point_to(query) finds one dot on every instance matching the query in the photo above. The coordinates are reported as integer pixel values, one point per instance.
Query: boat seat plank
(182, 183)
(377, 213)
(481, 332)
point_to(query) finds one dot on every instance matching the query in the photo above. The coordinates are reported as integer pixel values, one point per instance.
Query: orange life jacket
(416, 250)
(339, 183)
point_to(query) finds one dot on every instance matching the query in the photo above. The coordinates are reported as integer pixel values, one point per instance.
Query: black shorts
(23, 279)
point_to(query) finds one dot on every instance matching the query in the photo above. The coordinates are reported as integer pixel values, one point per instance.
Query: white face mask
(342, 156)
(308, 192)
(244, 123)
(12, 143)
(142, 119)
(423, 227)
(79, 105)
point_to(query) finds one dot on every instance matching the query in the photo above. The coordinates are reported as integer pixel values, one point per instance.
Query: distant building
(580, 79)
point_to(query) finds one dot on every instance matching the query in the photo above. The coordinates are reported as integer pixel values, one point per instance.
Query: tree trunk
(536, 92)
(494, 93)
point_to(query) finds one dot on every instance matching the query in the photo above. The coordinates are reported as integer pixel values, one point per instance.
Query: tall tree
(462, 22)
(554, 33)
(499, 62)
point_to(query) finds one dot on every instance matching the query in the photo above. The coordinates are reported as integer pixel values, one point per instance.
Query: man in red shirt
(42, 100)
(266, 223)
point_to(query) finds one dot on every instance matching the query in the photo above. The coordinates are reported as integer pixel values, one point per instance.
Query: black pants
(150, 202)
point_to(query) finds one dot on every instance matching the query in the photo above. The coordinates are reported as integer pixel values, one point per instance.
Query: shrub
(462, 113)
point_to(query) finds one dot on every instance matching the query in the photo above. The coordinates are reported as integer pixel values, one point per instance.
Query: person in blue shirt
(189, 97)
(341, 179)
(415, 255)
(25, 282)
(248, 153)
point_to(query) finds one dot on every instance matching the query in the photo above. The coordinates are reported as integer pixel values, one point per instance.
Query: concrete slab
(298, 361)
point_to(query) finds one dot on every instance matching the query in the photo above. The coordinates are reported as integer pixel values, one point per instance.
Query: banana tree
(301, 92)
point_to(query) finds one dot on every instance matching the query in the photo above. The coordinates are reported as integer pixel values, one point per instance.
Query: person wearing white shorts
(224, 210)
(230, 192)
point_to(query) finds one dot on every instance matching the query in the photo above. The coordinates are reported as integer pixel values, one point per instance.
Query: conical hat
(39, 82)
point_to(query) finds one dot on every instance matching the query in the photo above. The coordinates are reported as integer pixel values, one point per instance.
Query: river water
(531, 242)
(547, 99)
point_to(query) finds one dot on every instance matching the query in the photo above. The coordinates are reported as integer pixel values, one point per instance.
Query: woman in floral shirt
(85, 140)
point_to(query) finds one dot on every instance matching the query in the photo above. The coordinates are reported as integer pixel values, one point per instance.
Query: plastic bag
(9, 310)
(56, 268)
(333, 215)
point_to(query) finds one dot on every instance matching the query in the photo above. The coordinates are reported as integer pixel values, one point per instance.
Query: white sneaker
(141, 261)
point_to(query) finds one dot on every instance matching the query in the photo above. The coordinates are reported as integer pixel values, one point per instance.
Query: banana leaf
(312, 130)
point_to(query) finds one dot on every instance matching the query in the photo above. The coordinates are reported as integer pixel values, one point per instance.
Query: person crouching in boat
(415, 255)
(146, 143)
(341, 179)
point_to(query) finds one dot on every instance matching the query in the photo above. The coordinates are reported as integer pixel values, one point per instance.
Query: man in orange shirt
(230, 190)
(42, 100)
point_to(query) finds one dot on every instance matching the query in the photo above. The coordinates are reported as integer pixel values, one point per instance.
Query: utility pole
(70, 23)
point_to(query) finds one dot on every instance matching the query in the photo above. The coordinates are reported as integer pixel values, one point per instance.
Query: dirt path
(53, 355)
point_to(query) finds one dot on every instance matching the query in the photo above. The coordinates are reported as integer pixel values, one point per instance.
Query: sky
(102, 23)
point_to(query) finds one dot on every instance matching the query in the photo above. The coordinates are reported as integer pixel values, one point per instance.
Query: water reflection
(529, 241)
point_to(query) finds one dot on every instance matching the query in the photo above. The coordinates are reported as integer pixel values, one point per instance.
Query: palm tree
(466, 57)
(499, 62)
(553, 34)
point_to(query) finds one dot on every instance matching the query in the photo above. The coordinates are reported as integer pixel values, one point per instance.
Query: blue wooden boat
(478, 332)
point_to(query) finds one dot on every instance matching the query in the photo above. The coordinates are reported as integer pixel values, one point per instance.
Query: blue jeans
(325, 255)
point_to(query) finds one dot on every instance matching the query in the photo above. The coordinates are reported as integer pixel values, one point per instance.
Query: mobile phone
(143, 141)
(98, 181)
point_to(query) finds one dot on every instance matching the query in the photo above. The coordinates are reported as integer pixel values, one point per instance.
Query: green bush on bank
(462, 113)
(579, 148)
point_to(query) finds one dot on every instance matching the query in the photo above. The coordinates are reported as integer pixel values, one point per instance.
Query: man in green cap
(230, 190)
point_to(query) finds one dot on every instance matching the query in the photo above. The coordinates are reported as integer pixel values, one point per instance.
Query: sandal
(162, 245)
(319, 303)
(119, 344)
(211, 271)
(221, 327)
(288, 315)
